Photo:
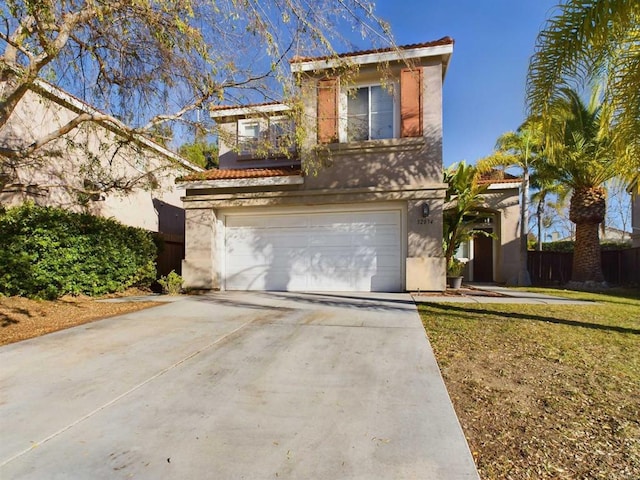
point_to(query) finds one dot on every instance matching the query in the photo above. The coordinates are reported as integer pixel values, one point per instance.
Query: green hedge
(49, 252)
(567, 245)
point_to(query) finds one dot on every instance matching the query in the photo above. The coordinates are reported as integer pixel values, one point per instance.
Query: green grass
(545, 391)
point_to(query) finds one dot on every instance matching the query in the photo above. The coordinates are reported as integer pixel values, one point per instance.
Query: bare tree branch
(151, 64)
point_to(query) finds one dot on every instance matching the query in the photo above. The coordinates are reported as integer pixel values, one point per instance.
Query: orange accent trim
(411, 85)
(328, 110)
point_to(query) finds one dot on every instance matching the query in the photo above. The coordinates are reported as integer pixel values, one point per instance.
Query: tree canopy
(590, 42)
(200, 153)
(152, 62)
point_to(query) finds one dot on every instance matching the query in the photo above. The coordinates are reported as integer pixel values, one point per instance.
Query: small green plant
(456, 266)
(171, 284)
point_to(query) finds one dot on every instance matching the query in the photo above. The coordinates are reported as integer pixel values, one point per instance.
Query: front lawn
(545, 392)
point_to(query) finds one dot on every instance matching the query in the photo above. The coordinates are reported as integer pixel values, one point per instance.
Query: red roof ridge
(235, 174)
(434, 43)
(497, 176)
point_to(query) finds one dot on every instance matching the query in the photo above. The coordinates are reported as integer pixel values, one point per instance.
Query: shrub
(48, 252)
(171, 284)
(567, 245)
(558, 246)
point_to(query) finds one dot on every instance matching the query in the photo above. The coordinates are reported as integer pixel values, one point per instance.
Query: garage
(311, 250)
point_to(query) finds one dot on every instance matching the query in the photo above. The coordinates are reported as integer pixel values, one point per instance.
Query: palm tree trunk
(587, 210)
(524, 279)
(587, 265)
(539, 212)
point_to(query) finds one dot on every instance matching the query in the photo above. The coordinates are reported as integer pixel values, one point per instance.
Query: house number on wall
(425, 221)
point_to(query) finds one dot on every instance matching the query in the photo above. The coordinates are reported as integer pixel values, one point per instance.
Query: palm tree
(464, 208)
(581, 155)
(546, 187)
(522, 149)
(587, 40)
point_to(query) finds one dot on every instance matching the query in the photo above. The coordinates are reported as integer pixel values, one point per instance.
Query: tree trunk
(524, 279)
(587, 265)
(587, 211)
(539, 213)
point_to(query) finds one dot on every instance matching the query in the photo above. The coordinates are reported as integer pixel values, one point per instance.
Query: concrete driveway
(233, 386)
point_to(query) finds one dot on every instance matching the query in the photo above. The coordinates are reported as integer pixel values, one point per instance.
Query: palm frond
(624, 97)
(590, 42)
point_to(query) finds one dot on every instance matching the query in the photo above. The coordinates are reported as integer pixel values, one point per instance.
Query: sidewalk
(495, 294)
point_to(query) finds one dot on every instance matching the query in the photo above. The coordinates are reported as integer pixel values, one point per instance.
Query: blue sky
(485, 85)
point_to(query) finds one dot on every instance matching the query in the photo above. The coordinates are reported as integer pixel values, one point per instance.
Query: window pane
(381, 113)
(281, 134)
(358, 115)
(251, 130)
(249, 135)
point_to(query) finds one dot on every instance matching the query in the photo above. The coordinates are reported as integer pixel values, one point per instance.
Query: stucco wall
(386, 163)
(201, 267)
(57, 175)
(507, 230)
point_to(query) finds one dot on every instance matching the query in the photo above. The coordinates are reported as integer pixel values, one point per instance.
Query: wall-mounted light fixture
(425, 210)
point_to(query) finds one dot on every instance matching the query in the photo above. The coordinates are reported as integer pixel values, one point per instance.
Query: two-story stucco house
(357, 208)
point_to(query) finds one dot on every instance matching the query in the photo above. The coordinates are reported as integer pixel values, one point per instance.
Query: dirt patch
(460, 292)
(23, 318)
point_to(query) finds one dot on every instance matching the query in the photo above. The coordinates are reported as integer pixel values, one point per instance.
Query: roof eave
(503, 185)
(237, 111)
(444, 51)
(277, 180)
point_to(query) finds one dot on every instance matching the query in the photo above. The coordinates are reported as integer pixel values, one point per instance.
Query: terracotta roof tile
(229, 174)
(434, 43)
(498, 176)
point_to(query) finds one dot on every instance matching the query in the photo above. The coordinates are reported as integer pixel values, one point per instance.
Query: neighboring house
(605, 234)
(88, 158)
(358, 208)
(496, 258)
(612, 234)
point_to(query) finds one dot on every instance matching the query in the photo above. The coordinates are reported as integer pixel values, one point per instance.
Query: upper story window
(281, 133)
(370, 113)
(264, 136)
(248, 136)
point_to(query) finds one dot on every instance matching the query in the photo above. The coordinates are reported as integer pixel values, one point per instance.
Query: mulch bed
(23, 318)
(465, 291)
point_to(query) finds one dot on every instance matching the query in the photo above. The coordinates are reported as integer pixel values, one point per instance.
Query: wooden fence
(171, 254)
(620, 267)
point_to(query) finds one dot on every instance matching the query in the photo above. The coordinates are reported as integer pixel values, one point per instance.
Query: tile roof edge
(434, 43)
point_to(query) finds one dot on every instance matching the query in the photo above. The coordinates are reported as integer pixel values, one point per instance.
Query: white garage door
(331, 251)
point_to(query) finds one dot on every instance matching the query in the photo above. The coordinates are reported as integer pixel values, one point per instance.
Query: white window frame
(343, 108)
(242, 139)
